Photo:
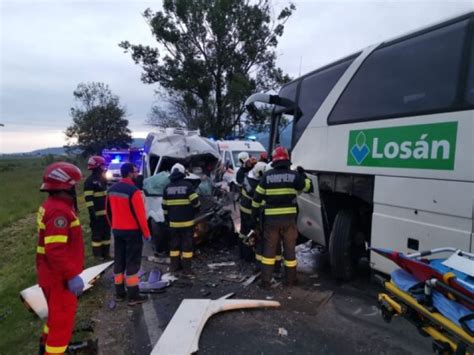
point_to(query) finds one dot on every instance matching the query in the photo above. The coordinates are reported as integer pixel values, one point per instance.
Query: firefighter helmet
(178, 167)
(243, 157)
(95, 161)
(60, 176)
(280, 153)
(263, 157)
(259, 169)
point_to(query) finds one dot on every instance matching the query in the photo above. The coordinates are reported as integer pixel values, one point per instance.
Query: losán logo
(427, 146)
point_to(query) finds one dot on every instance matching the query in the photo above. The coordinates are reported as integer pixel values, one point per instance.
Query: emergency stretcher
(434, 295)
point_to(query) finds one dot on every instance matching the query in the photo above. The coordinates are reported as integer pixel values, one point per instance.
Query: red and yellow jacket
(126, 209)
(60, 250)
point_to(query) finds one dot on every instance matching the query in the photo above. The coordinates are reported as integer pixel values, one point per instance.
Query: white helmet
(243, 157)
(258, 170)
(178, 167)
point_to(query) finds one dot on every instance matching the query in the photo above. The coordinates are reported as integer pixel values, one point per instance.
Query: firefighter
(127, 216)
(180, 205)
(246, 164)
(95, 189)
(246, 194)
(275, 197)
(59, 255)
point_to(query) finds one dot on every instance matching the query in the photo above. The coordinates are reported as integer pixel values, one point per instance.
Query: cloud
(48, 47)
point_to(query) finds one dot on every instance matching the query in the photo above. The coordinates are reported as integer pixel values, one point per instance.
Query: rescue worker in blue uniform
(275, 199)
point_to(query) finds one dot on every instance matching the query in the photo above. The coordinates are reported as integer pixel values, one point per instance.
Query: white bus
(386, 136)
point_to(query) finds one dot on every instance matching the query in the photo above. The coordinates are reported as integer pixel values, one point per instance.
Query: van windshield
(252, 153)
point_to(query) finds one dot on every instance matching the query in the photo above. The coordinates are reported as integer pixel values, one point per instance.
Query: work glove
(76, 285)
(300, 170)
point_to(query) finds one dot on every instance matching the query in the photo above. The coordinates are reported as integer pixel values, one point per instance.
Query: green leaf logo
(360, 140)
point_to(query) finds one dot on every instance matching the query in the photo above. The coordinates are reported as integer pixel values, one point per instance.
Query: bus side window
(313, 91)
(414, 76)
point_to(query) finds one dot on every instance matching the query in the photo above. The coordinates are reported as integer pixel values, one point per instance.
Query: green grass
(20, 329)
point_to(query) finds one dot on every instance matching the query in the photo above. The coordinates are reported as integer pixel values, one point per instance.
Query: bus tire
(341, 253)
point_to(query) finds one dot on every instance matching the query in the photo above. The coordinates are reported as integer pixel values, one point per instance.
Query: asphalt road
(320, 316)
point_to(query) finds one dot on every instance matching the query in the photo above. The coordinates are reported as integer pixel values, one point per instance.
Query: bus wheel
(341, 252)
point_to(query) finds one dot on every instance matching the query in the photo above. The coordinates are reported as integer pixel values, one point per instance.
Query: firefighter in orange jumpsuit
(59, 255)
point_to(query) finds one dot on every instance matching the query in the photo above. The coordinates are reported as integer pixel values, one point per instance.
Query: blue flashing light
(116, 159)
(252, 138)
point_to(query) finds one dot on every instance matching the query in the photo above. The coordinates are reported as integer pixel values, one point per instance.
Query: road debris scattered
(181, 336)
(282, 332)
(250, 280)
(218, 265)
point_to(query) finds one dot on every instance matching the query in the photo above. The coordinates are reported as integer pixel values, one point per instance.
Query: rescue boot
(134, 296)
(290, 276)
(106, 252)
(42, 347)
(120, 293)
(84, 347)
(175, 264)
(186, 264)
(266, 276)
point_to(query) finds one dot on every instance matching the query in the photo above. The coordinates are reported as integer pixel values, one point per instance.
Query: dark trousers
(128, 256)
(100, 237)
(276, 230)
(181, 247)
(246, 252)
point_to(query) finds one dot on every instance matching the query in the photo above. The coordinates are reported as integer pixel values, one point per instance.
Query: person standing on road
(246, 195)
(275, 196)
(59, 255)
(127, 216)
(95, 190)
(180, 206)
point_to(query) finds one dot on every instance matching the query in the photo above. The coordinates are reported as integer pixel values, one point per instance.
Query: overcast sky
(48, 47)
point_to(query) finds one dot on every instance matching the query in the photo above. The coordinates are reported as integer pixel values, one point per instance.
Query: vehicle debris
(181, 336)
(158, 260)
(250, 280)
(309, 259)
(217, 265)
(33, 297)
(282, 332)
(154, 284)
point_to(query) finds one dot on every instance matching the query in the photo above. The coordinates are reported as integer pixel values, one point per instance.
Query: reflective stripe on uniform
(88, 193)
(100, 194)
(278, 257)
(256, 204)
(106, 242)
(96, 244)
(89, 204)
(41, 225)
(75, 223)
(182, 224)
(45, 329)
(187, 255)
(118, 279)
(174, 253)
(244, 193)
(100, 213)
(280, 211)
(290, 263)
(282, 191)
(132, 280)
(55, 239)
(178, 202)
(55, 349)
(268, 261)
(40, 250)
(245, 210)
(260, 190)
(307, 185)
(193, 196)
(258, 257)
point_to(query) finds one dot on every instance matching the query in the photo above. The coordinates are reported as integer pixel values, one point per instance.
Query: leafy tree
(213, 55)
(98, 120)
